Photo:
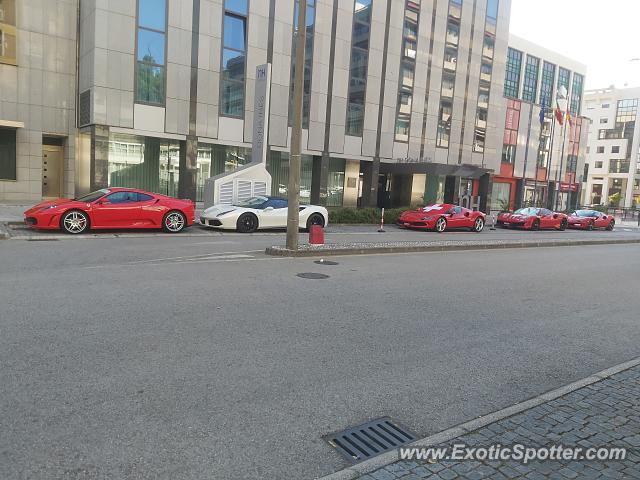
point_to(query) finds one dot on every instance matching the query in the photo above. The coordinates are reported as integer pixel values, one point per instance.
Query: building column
(520, 184)
(188, 168)
(451, 189)
(319, 176)
(99, 169)
(484, 191)
(370, 170)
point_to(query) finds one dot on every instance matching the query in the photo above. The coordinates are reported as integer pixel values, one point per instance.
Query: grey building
(403, 99)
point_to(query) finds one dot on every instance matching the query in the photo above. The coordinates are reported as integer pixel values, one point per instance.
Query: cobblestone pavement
(606, 413)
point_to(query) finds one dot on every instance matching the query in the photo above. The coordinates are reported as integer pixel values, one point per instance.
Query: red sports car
(442, 216)
(112, 208)
(533, 218)
(590, 219)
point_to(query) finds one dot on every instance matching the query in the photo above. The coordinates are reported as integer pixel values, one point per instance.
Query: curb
(368, 466)
(365, 249)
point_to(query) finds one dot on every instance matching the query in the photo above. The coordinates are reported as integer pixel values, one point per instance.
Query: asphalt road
(200, 358)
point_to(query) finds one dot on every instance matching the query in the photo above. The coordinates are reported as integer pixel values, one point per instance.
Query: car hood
(219, 210)
(48, 203)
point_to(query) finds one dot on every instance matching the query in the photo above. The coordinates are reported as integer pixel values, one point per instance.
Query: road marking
(204, 255)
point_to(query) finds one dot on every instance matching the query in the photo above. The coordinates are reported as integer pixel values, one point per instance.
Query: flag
(559, 115)
(542, 115)
(569, 119)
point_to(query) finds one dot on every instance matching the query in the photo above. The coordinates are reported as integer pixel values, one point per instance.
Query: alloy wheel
(75, 222)
(478, 225)
(174, 222)
(441, 225)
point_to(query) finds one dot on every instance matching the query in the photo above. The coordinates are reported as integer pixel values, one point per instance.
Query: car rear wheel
(611, 225)
(247, 223)
(74, 222)
(315, 219)
(535, 225)
(174, 222)
(563, 225)
(441, 225)
(590, 226)
(478, 225)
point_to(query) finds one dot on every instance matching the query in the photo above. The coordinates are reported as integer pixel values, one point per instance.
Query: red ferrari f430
(533, 218)
(441, 217)
(112, 208)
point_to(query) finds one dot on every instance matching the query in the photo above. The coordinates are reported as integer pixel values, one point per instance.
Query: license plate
(406, 224)
(506, 223)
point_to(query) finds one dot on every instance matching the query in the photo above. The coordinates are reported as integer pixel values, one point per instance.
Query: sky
(602, 34)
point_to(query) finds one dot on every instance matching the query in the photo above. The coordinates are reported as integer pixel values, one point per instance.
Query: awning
(11, 124)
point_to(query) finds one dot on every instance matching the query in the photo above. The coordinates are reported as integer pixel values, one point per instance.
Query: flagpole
(526, 154)
(546, 174)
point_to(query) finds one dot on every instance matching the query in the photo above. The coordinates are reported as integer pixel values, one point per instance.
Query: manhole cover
(373, 438)
(312, 276)
(325, 262)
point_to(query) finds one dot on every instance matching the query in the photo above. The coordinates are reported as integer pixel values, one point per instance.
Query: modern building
(542, 162)
(403, 99)
(613, 154)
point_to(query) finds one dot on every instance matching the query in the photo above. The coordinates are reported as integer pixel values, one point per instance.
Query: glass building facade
(512, 73)
(308, 60)
(151, 52)
(358, 69)
(234, 52)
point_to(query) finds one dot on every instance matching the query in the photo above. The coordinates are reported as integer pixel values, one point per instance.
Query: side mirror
(555, 215)
(268, 209)
(466, 214)
(604, 217)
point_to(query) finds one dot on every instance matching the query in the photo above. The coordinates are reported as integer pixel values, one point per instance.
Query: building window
(358, 67)
(598, 164)
(600, 149)
(7, 154)
(604, 120)
(576, 94)
(452, 40)
(216, 159)
(512, 74)
(530, 83)
(619, 166)
(615, 149)
(605, 105)
(151, 52)
(407, 69)
(501, 196)
(308, 61)
(564, 77)
(547, 83)
(8, 32)
(572, 163)
(335, 182)
(511, 126)
(234, 49)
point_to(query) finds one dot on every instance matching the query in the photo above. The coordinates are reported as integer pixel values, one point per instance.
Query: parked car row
(115, 208)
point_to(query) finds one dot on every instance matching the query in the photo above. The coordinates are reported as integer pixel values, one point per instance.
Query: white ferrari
(261, 213)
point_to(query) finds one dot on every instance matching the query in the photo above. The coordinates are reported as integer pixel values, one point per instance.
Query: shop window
(7, 154)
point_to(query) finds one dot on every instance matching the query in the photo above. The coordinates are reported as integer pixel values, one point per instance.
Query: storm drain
(369, 439)
(325, 262)
(312, 276)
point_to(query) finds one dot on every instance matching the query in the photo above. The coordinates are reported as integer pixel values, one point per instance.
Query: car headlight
(48, 207)
(221, 214)
(428, 218)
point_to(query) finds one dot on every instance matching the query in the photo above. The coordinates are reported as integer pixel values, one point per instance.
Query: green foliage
(364, 215)
(504, 205)
(614, 200)
(600, 208)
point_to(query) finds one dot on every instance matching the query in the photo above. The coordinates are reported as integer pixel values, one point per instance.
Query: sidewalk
(605, 412)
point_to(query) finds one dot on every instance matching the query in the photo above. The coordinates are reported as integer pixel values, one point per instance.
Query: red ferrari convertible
(533, 218)
(112, 208)
(442, 216)
(591, 219)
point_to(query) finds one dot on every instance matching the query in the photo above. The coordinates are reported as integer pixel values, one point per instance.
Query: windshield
(585, 213)
(93, 196)
(526, 211)
(253, 202)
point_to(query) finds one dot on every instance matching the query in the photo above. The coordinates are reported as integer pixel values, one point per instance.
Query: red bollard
(316, 235)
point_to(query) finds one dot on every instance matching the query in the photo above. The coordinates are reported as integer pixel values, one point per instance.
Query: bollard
(381, 229)
(316, 235)
(493, 221)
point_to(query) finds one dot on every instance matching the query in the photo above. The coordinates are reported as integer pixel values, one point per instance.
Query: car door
(456, 218)
(601, 221)
(274, 213)
(546, 218)
(117, 210)
(466, 220)
(151, 211)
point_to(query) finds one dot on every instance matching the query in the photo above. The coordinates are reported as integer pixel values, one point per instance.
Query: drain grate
(312, 276)
(359, 443)
(325, 262)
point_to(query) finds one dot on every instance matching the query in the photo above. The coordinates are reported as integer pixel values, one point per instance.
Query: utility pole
(293, 213)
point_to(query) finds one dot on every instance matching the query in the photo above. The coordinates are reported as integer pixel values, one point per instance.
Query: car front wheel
(247, 223)
(174, 222)
(563, 225)
(611, 225)
(74, 222)
(535, 225)
(441, 225)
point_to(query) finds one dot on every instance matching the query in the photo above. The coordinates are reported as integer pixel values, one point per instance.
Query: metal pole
(546, 175)
(293, 213)
(526, 154)
(559, 176)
